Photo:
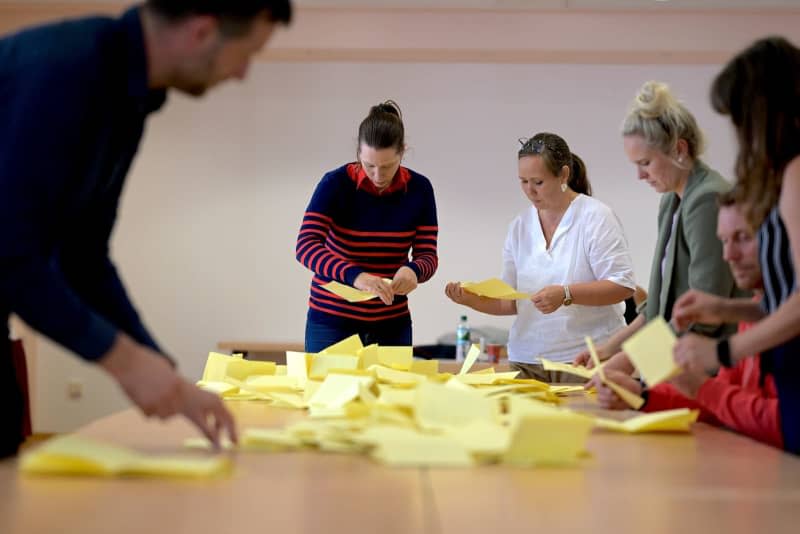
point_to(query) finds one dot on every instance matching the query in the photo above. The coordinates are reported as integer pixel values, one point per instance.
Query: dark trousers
(12, 407)
(390, 333)
(783, 363)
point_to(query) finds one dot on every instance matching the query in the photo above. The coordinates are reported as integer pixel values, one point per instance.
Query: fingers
(381, 289)
(581, 359)
(223, 420)
(607, 399)
(384, 292)
(228, 423)
(454, 292)
(403, 286)
(209, 415)
(593, 382)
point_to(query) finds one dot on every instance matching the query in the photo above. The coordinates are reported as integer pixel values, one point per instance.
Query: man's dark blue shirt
(74, 98)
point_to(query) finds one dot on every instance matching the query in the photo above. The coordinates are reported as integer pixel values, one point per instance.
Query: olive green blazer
(693, 260)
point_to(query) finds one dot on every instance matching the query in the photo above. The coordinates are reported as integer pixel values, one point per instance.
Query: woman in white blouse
(569, 252)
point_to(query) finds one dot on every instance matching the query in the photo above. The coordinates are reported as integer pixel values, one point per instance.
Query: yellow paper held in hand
(494, 288)
(631, 399)
(350, 294)
(650, 350)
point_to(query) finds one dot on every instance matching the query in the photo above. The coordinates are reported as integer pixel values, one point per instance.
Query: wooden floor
(711, 481)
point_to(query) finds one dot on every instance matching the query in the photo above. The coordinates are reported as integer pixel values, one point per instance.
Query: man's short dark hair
(235, 16)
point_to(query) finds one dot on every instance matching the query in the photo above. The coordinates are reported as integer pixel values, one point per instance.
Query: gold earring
(563, 188)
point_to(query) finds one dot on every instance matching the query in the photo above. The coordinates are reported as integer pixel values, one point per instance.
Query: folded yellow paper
(349, 346)
(631, 399)
(321, 364)
(545, 435)
(78, 456)
(437, 407)
(350, 294)
(678, 420)
(471, 358)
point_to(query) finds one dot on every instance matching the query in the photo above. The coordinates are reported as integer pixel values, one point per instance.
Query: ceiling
(722, 5)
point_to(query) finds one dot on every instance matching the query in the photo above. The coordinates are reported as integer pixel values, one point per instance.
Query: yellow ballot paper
(241, 369)
(349, 346)
(399, 358)
(469, 361)
(650, 350)
(337, 390)
(494, 288)
(439, 407)
(351, 294)
(223, 389)
(78, 456)
(576, 370)
(216, 367)
(631, 399)
(402, 447)
(322, 364)
(679, 420)
(368, 356)
(542, 435)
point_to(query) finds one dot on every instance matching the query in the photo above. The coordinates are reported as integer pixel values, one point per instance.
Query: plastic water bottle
(462, 339)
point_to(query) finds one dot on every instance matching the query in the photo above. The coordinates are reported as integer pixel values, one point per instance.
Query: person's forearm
(737, 310)
(775, 329)
(491, 306)
(599, 293)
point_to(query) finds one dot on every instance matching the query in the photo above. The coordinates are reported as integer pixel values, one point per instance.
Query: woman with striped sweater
(363, 221)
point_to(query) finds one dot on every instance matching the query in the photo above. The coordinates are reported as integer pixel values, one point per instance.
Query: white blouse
(588, 245)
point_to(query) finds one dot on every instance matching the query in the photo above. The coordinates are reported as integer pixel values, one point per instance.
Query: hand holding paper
(633, 400)
(650, 350)
(494, 288)
(351, 294)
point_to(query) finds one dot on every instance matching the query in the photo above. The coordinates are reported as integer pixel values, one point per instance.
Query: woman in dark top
(760, 90)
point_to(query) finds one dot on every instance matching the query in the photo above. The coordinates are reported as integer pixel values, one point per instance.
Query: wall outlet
(74, 390)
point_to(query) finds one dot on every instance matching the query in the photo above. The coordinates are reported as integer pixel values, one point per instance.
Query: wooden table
(711, 481)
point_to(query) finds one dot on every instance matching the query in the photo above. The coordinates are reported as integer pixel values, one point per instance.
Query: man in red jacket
(738, 398)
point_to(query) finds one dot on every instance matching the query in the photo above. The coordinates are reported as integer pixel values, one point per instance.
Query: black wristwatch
(724, 353)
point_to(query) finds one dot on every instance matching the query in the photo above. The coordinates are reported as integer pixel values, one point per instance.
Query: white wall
(208, 223)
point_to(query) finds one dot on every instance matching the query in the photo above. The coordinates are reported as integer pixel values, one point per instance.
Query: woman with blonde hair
(661, 137)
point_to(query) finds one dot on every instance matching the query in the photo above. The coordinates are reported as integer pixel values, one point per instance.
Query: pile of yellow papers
(494, 288)
(380, 401)
(350, 294)
(679, 420)
(650, 350)
(77, 456)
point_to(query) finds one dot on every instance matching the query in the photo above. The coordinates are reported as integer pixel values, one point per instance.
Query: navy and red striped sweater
(349, 228)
